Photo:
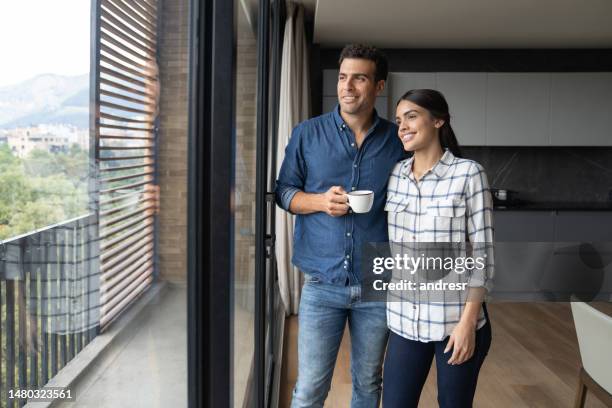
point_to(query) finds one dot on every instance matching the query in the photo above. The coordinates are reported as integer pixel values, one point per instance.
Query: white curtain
(294, 108)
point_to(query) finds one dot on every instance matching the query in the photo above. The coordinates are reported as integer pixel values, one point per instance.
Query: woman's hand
(463, 341)
(463, 338)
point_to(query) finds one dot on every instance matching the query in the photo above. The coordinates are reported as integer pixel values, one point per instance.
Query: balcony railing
(49, 302)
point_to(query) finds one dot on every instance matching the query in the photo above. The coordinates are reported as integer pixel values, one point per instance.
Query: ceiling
(463, 23)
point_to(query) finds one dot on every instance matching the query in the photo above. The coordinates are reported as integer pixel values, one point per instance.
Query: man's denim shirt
(322, 153)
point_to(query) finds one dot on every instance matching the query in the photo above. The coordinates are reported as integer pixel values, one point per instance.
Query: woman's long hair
(437, 106)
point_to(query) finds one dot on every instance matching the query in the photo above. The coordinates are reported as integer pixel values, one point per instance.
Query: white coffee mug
(361, 201)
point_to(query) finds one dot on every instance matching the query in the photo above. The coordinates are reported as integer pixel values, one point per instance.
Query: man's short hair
(370, 53)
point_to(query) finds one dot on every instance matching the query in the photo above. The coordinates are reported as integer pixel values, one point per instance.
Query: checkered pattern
(451, 203)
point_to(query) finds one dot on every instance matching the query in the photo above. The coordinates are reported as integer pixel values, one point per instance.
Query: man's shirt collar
(341, 124)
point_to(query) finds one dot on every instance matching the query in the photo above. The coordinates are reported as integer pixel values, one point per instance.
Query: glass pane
(44, 114)
(244, 201)
(49, 266)
(93, 199)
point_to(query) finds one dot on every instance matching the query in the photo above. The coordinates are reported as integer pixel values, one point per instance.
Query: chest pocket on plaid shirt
(446, 219)
(397, 216)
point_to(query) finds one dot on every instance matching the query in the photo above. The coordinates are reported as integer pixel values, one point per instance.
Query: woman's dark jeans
(407, 364)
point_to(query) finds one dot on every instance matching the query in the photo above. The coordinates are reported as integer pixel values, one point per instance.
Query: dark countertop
(551, 206)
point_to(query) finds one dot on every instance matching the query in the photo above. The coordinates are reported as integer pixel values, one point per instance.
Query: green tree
(36, 214)
(41, 190)
(40, 163)
(7, 160)
(15, 190)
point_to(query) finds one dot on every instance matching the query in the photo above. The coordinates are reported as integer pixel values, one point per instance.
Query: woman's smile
(407, 137)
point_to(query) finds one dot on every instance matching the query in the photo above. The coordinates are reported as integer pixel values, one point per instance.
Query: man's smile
(349, 98)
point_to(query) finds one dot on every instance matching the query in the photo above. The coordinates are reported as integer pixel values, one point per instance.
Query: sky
(42, 37)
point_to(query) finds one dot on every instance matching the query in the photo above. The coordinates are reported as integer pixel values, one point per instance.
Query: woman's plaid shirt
(451, 203)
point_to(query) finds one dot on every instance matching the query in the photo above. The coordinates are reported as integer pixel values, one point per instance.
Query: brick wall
(173, 59)
(172, 150)
(246, 136)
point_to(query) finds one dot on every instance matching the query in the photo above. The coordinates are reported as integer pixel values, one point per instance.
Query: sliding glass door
(233, 92)
(244, 204)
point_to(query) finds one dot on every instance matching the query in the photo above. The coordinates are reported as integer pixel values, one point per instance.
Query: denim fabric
(407, 365)
(322, 153)
(324, 310)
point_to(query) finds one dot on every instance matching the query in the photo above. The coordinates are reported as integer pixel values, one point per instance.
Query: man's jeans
(324, 309)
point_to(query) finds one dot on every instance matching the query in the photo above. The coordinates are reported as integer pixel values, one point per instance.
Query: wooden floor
(533, 361)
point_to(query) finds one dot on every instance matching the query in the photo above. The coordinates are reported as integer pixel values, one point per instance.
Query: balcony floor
(149, 369)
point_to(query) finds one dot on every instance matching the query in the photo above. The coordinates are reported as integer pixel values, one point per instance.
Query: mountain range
(46, 99)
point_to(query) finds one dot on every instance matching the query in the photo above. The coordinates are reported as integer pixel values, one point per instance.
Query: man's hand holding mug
(336, 201)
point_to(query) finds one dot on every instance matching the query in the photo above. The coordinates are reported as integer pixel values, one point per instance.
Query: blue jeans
(324, 310)
(407, 364)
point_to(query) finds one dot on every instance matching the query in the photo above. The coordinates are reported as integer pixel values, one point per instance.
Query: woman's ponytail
(448, 140)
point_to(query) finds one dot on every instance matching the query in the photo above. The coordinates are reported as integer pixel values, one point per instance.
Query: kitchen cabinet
(539, 255)
(402, 82)
(524, 226)
(517, 109)
(553, 226)
(581, 108)
(583, 226)
(465, 93)
(509, 108)
(523, 248)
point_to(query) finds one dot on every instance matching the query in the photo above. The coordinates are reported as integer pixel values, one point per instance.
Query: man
(350, 148)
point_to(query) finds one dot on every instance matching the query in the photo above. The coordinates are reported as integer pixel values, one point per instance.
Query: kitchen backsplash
(548, 174)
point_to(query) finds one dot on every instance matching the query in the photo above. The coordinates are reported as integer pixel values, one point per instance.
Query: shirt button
(353, 188)
(414, 307)
(348, 234)
(345, 267)
(353, 144)
(413, 237)
(348, 256)
(354, 165)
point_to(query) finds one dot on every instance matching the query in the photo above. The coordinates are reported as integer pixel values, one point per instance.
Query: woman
(437, 197)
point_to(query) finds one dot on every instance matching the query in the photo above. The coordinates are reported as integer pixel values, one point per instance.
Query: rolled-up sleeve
(292, 172)
(480, 227)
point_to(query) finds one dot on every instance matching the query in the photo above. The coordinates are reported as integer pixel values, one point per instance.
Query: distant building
(52, 138)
